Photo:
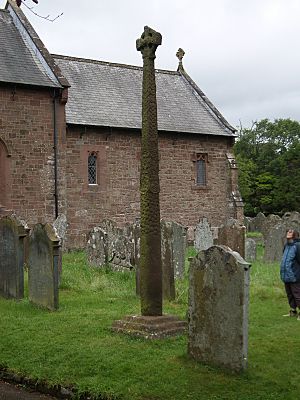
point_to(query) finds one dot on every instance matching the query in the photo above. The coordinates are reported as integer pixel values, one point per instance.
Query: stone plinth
(150, 327)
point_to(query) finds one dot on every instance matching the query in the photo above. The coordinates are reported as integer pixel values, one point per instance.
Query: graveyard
(73, 349)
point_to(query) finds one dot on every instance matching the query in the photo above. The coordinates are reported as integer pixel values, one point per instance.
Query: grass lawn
(74, 346)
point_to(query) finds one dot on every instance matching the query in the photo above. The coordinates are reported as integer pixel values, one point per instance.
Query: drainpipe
(55, 154)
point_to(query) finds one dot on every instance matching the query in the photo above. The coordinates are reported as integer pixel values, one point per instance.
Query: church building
(70, 139)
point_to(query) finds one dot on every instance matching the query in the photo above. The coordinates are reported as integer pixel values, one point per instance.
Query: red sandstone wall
(117, 194)
(26, 127)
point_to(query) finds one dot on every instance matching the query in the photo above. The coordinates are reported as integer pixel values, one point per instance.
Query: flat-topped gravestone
(233, 235)
(43, 272)
(12, 234)
(203, 235)
(218, 308)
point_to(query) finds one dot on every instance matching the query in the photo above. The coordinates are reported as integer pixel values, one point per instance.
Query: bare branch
(47, 17)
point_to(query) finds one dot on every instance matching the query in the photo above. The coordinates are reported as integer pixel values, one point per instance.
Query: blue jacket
(290, 264)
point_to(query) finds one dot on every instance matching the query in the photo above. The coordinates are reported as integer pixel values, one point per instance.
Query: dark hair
(295, 233)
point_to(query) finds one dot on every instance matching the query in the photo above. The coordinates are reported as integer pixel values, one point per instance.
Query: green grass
(75, 346)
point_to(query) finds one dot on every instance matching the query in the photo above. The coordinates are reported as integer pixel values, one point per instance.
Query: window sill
(199, 187)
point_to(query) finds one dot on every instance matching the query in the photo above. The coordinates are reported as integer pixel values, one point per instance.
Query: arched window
(92, 169)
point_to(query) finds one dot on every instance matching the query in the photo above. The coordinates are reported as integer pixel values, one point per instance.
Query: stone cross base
(150, 327)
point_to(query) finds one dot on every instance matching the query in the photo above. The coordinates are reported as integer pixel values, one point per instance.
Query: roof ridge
(111, 64)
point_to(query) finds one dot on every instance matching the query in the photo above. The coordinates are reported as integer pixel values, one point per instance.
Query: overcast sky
(243, 54)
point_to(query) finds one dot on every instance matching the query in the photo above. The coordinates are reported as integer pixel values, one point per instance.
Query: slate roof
(107, 94)
(18, 62)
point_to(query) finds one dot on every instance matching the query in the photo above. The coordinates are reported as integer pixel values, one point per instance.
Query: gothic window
(200, 160)
(92, 168)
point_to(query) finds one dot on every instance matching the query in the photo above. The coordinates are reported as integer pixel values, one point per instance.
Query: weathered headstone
(12, 235)
(256, 223)
(218, 308)
(233, 235)
(275, 238)
(203, 235)
(173, 247)
(168, 281)
(61, 225)
(274, 243)
(269, 222)
(108, 244)
(43, 272)
(179, 248)
(250, 249)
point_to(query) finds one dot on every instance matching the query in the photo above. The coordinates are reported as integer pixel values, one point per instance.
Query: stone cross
(150, 263)
(180, 54)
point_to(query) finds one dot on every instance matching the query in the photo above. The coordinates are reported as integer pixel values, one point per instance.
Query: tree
(268, 156)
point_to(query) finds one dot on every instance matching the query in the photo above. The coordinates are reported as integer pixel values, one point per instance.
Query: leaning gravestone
(218, 308)
(233, 235)
(43, 272)
(203, 235)
(12, 235)
(250, 249)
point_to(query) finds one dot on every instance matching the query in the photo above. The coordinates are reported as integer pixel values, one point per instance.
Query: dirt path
(11, 392)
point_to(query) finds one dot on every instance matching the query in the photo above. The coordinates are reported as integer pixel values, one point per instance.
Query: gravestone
(269, 222)
(61, 225)
(110, 245)
(218, 308)
(256, 223)
(168, 281)
(179, 244)
(203, 235)
(190, 236)
(173, 246)
(233, 235)
(250, 249)
(274, 243)
(12, 235)
(275, 239)
(43, 272)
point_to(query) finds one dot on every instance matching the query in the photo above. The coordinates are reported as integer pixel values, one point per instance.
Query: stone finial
(180, 54)
(148, 42)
